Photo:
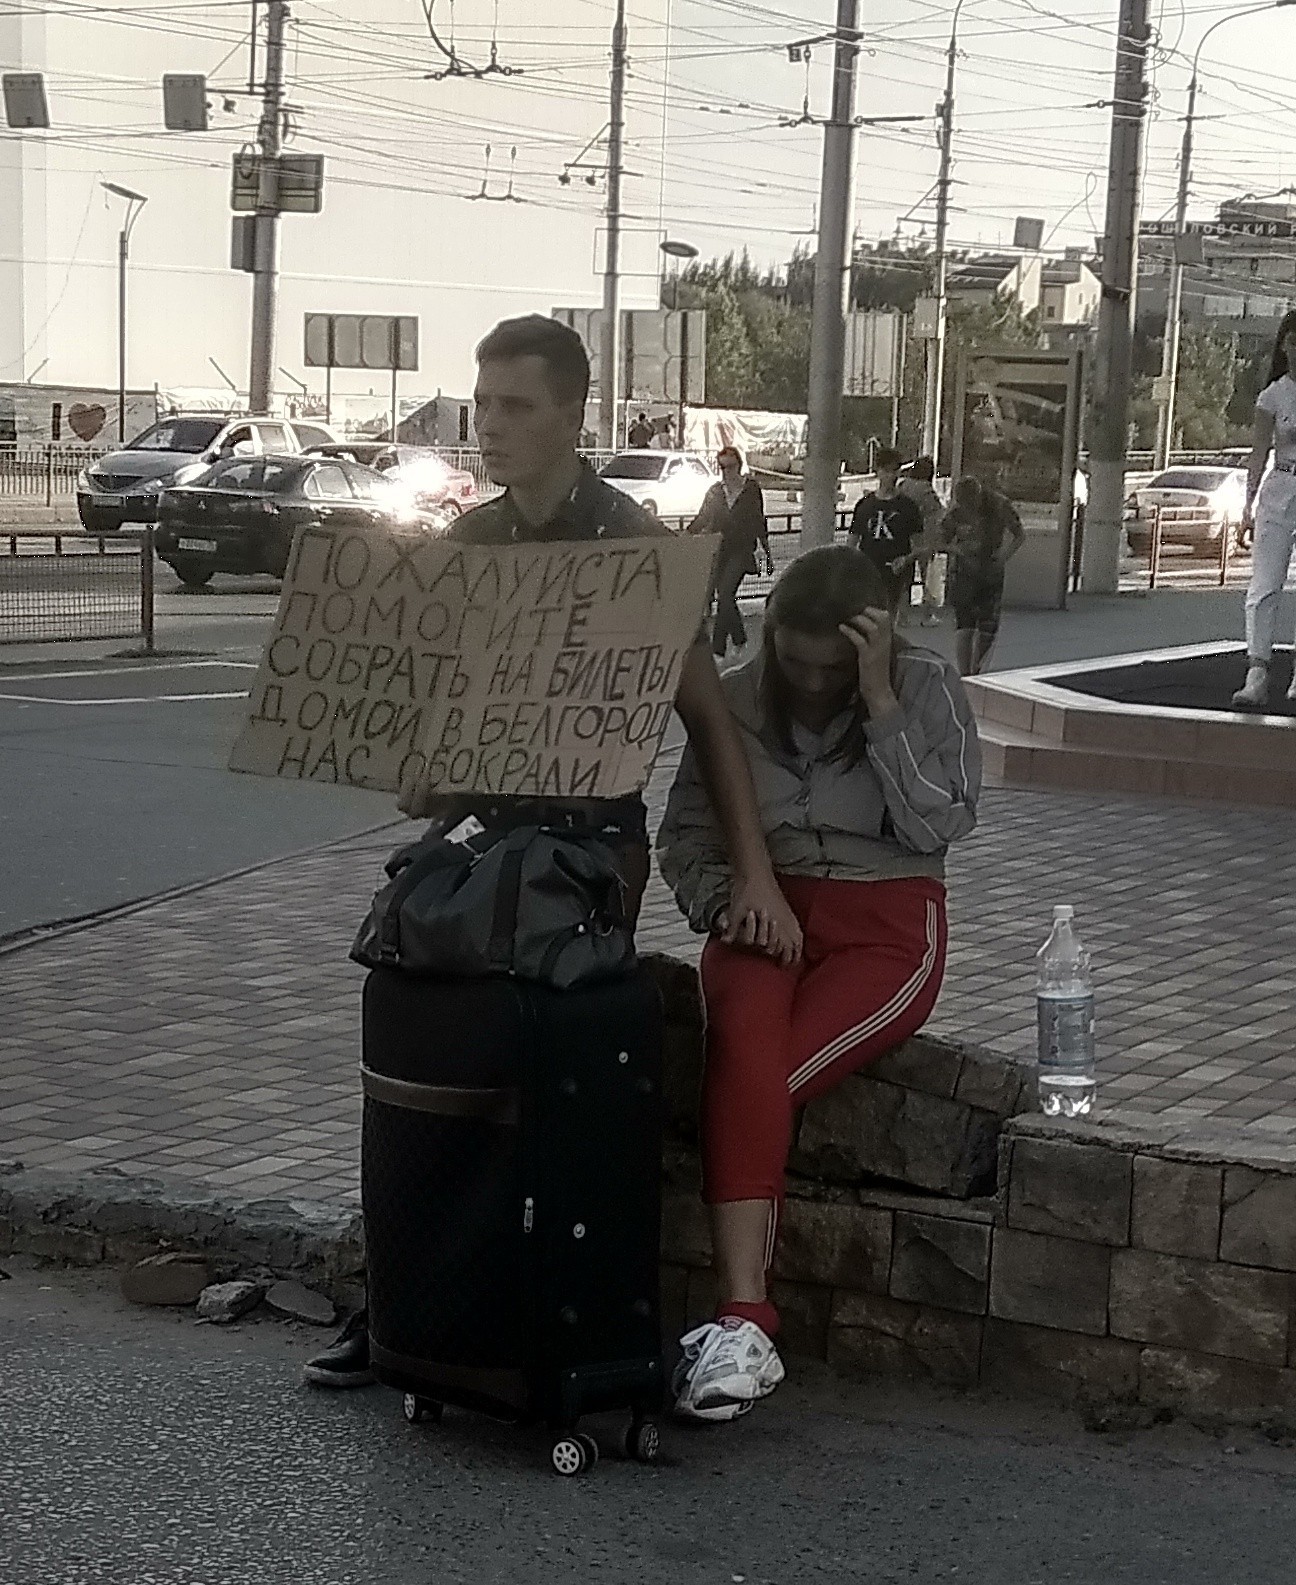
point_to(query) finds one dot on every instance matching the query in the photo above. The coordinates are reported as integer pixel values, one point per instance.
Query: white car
(673, 484)
(1197, 505)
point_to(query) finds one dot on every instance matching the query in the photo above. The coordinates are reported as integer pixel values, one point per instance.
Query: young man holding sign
(532, 385)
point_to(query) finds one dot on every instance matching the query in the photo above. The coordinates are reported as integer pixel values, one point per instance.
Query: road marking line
(130, 671)
(147, 698)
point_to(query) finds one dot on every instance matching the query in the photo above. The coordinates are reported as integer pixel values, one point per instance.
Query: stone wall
(1112, 1261)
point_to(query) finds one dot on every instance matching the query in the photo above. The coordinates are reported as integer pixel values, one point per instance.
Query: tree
(1205, 418)
(758, 340)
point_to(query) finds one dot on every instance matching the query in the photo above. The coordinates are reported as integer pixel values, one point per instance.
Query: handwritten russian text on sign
(541, 671)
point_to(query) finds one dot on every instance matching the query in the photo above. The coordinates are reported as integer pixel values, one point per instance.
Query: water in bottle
(1065, 1009)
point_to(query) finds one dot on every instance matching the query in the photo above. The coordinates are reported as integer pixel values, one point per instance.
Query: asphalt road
(142, 1448)
(113, 769)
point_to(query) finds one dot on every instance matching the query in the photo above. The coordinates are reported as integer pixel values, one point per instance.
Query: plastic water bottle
(1065, 1010)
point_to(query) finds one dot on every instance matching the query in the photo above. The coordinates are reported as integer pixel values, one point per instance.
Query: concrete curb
(106, 1217)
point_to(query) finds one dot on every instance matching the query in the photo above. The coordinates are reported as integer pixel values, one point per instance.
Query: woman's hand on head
(871, 634)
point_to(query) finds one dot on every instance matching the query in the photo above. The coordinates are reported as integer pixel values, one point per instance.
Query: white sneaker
(1254, 692)
(727, 1366)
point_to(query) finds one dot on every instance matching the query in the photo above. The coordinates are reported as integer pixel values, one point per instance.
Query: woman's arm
(690, 850)
(1014, 533)
(759, 915)
(1262, 437)
(928, 759)
(761, 524)
(925, 751)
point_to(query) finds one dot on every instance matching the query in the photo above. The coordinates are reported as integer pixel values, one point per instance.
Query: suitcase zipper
(528, 1214)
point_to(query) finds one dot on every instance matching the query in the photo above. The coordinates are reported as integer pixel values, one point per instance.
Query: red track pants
(776, 1037)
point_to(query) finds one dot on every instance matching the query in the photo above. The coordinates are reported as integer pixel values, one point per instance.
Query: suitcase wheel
(642, 1441)
(416, 1408)
(573, 1453)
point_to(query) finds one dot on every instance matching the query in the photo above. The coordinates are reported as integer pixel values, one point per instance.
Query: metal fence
(1201, 547)
(58, 586)
(43, 473)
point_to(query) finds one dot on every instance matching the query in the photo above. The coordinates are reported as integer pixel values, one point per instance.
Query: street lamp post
(134, 207)
(676, 250)
(1174, 302)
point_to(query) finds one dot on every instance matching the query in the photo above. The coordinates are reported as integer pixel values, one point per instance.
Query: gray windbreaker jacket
(892, 815)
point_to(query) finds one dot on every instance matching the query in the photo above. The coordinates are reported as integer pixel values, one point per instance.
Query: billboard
(361, 341)
(664, 351)
(874, 364)
(1017, 429)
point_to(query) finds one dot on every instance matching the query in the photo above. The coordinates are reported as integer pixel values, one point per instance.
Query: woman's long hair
(814, 596)
(1279, 365)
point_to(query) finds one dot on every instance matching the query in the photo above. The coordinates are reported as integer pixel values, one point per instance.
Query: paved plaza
(213, 1036)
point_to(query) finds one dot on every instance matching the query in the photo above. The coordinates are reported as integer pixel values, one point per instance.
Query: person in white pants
(1271, 512)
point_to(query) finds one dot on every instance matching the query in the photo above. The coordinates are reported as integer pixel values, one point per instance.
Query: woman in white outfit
(1271, 511)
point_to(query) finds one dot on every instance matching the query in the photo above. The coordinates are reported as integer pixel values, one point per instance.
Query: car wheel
(194, 572)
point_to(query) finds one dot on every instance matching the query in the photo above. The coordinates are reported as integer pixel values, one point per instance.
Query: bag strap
(508, 890)
(417, 870)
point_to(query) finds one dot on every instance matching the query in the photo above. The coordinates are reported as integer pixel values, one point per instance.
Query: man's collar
(576, 508)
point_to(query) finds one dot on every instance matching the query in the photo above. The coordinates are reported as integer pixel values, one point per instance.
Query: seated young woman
(867, 766)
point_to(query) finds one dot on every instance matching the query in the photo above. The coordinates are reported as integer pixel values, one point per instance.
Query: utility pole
(832, 280)
(265, 279)
(1174, 303)
(935, 377)
(1108, 430)
(610, 343)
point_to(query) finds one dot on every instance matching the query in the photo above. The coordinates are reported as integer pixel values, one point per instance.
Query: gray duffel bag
(539, 903)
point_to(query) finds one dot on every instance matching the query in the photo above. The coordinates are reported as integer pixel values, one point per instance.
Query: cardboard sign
(407, 663)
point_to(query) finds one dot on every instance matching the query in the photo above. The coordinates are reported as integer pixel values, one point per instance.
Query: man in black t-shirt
(886, 525)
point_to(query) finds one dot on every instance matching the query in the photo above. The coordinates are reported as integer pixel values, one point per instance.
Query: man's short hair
(558, 346)
(888, 458)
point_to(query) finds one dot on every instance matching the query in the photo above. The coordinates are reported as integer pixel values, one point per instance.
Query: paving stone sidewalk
(213, 1037)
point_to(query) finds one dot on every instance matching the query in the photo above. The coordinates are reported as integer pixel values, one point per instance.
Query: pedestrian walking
(641, 433)
(532, 383)
(734, 508)
(981, 533)
(920, 488)
(887, 525)
(865, 758)
(664, 438)
(1270, 516)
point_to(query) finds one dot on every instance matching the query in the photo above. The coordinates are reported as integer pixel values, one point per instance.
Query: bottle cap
(1062, 913)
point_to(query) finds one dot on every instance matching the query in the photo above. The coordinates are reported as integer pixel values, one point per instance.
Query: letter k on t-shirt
(885, 527)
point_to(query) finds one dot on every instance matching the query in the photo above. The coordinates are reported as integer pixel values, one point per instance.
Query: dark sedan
(241, 515)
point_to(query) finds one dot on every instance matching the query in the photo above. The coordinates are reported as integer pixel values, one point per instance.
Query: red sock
(763, 1314)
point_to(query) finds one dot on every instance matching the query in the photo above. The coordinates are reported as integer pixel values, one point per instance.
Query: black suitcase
(511, 1181)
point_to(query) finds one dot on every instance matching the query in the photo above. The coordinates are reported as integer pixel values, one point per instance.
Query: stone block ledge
(1120, 1260)
(105, 1216)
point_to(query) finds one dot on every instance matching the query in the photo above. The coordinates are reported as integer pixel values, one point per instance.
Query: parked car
(1197, 505)
(241, 514)
(670, 483)
(434, 485)
(123, 486)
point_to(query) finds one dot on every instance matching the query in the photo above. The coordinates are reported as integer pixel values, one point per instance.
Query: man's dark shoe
(345, 1363)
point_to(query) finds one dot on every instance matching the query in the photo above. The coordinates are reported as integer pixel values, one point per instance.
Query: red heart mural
(85, 421)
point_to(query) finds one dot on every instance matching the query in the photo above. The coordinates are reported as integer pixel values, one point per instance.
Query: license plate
(196, 544)
(109, 500)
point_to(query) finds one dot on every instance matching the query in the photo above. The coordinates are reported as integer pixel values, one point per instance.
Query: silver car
(1196, 506)
(673, 484)
(123, 485)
